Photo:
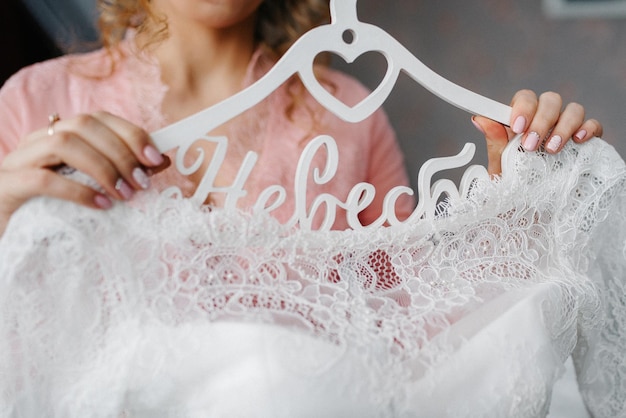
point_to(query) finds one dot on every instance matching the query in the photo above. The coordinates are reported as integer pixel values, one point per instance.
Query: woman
(179, 57)
(123, 335)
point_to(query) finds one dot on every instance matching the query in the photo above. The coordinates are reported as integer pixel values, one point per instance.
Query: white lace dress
(166, 310)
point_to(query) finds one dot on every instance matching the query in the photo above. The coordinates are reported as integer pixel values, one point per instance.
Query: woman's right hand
(111, 150)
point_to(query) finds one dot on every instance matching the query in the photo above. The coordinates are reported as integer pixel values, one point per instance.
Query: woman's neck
(202, 66)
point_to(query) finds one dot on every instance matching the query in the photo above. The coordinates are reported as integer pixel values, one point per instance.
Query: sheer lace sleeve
(600, 356)
(591, 238)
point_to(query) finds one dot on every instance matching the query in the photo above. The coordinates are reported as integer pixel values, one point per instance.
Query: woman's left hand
(542, 120)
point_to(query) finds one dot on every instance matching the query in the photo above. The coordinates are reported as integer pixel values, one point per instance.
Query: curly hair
(279, 22)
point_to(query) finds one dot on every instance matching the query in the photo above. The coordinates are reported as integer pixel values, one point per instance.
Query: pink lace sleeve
(11, 115)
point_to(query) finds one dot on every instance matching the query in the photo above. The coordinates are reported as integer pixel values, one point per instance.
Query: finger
(65, 147)
(113, 138)
(548, 111)
(17, 187)
(166, 163)
(589, 129)
(497, 138)
(524, 106)
(135, 138)
(122, 142)
(568, 124)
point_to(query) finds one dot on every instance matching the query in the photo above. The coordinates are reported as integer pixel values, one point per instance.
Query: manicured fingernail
(580, 135)
(519, 124)
(102, 201)
(141, 177)
(531, 141)
(554, 143)
(480, 129)
(124, 188)
(153, 155)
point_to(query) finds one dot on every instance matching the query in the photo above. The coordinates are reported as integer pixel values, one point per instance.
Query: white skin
(109, 148)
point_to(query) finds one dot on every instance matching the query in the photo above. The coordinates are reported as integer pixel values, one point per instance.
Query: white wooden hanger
(349, 38)
(299, 60)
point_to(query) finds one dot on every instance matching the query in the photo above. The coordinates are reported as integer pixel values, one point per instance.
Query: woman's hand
(542, 121)
(111, 150)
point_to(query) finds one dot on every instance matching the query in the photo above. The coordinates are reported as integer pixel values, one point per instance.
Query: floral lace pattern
(115, 311)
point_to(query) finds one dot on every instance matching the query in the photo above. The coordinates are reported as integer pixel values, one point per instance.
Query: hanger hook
(343, 11)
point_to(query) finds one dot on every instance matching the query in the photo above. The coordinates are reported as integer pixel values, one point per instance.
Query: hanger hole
(348, 36)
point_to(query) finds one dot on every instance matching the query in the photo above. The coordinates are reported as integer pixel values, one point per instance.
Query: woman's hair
(279, 22)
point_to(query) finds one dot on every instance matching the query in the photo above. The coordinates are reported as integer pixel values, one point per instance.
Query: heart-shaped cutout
(369, 69)
(350, 51)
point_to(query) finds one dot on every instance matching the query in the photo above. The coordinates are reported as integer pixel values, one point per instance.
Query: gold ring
(52, 119)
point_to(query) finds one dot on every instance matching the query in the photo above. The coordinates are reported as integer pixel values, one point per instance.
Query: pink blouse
(85, 83)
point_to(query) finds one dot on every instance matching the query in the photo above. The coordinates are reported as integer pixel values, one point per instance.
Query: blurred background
(496, 47)
(493, 47)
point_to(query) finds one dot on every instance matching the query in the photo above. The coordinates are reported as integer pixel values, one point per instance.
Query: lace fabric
(165, 309)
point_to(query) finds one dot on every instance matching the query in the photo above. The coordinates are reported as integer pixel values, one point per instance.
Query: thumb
(497, 138)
